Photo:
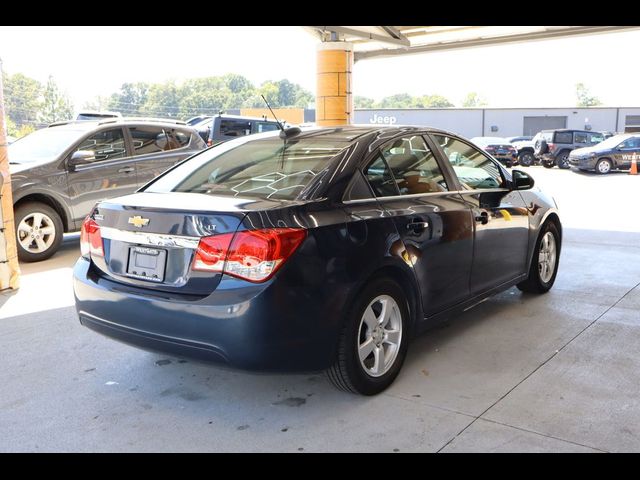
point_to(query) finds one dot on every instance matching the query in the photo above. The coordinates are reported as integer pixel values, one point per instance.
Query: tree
(56, 105)
(363, 102)
(22, 98)
(431, 101)
(584, 97)
(162, 100)
(399, 100)
(129, 100)
(97, 103)
(473, 100)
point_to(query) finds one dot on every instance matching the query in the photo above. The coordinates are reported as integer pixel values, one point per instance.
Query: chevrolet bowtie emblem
(138, 221)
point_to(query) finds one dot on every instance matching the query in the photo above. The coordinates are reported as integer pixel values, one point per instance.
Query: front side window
(267, 127)
(266, 168)
(105, 145)
(234, 128)
(472, 167)
(631, 143)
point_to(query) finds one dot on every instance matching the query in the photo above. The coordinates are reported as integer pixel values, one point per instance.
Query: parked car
(615, 153)
(92, 115)
(197, 119)
(500, 148)
(59, 173)
(552, 147)
(316, 249)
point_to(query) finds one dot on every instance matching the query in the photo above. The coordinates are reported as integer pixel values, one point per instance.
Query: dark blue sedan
(322, 249)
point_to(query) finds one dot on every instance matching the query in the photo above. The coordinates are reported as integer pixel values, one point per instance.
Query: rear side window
(267, 127)
(149, 139)
(234, 128)
(267, 168)
(564, 137)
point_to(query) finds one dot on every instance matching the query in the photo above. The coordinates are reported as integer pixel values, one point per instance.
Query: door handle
(126, 170)
(483, 218)
(417, 226)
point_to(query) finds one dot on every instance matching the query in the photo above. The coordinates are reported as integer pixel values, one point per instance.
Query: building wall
(472, 122)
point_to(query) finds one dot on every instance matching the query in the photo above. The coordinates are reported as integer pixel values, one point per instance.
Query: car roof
(243, 117)
(568, 130)
(93, 124)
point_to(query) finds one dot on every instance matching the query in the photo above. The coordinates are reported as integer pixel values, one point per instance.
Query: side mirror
(81, 157)
(522, 180)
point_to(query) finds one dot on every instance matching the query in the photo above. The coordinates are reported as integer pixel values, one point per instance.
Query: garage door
(632, 124)
(533, 125)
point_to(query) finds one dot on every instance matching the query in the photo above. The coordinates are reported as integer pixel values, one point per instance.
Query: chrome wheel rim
(547, 257)
(36, 232)
(604, 167)
(379, 335)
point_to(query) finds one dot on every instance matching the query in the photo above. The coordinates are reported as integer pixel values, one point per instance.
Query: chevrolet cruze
(315, 249)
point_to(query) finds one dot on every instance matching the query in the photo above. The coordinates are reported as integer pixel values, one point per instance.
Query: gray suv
(552, 147)
(59, 173)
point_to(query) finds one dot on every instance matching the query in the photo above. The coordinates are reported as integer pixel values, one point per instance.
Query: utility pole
(9, 267)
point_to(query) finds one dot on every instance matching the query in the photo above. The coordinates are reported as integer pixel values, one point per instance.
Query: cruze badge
(138, 221)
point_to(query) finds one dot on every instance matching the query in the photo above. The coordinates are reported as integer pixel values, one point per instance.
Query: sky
(91, 61)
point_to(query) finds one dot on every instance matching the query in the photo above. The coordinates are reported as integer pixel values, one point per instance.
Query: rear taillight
(91, 239)
(209, 143)
(551, 146)
(253, 255)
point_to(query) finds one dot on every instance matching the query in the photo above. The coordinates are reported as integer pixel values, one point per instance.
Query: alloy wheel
(547, 257)
(36, 232)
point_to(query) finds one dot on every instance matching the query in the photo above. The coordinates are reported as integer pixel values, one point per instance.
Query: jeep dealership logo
(387, 120)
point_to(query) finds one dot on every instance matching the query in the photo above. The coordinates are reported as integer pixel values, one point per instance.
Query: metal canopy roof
(370, 42)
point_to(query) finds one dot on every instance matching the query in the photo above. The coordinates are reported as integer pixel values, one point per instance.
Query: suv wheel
(374, 341)
(38, 231)
(526, 159)
(562, 160)
(603, 166)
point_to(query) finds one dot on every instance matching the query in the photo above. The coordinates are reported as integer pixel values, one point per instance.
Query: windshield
(265, 168)
(42, 145)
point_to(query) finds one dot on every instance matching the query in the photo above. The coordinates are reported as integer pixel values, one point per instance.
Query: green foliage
(473, 100)
(22, 98)
(404, 100)
(163, 100)
(129, 100)
(363, 102)
(431, 101)
(584, 97)
(56, 105)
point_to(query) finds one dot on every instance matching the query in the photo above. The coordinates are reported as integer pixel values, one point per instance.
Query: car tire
(382, 356)
(547, 164)
(547, 252)
(603, 166)
(526, 159)
(38, 231)
(562, 160)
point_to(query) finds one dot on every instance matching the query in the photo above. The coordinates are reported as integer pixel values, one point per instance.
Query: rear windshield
(266, 168)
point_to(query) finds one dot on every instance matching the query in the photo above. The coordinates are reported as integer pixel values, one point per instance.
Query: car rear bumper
(254, 327)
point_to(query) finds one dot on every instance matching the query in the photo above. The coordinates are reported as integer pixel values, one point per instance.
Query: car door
(110, 174)
(501, 217)
(434, 223)
(626, 151)
(155, 149)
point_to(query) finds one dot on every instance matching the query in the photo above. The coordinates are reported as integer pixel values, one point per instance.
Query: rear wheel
(374, 341)
(526, 159)
(544, 264)
(38, 231)
(547, 164)
(603, 166)
(562, 160)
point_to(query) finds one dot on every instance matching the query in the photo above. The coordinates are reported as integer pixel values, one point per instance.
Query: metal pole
(9, 267)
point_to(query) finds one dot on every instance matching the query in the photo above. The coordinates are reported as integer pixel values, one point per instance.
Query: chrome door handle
(126, 170)
(417, 225)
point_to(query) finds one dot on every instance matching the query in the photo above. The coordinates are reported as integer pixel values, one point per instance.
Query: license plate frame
(147, 263)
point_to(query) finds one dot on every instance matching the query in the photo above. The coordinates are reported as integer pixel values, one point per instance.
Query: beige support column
(334, 101)
(9, 268)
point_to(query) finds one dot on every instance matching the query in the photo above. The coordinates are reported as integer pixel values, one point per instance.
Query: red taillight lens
(91, 239)
(253, 255)
(211, 253)
(551, 146)
(209, 143)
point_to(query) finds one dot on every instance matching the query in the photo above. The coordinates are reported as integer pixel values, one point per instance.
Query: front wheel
(544, 264)
(603, 166)
(38, 231)
(374, 341)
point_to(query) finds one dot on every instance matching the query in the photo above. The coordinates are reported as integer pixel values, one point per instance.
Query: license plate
(147, 263)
